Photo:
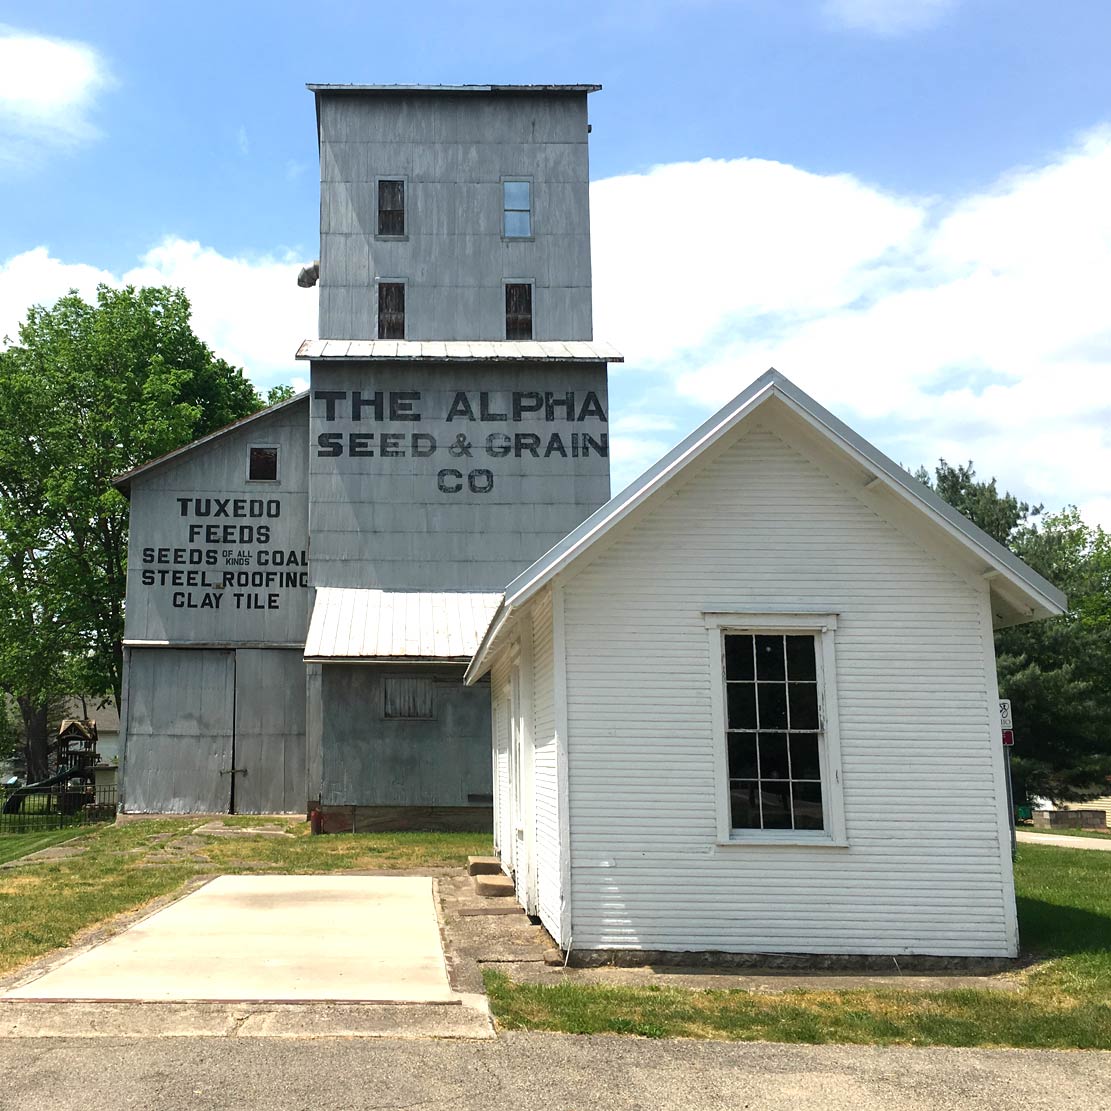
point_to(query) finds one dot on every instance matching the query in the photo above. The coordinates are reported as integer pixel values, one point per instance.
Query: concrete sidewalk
(1064, 841)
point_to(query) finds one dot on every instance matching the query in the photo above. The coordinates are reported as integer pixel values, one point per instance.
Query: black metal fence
(30, 810)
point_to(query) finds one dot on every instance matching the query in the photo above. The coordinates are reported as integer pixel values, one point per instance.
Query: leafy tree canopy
(90, 391)
(1057, 673)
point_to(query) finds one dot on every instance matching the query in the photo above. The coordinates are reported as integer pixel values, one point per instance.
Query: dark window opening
(391, 310)
(391, 207)
(262, 464)
(518, 310)
(407, 697)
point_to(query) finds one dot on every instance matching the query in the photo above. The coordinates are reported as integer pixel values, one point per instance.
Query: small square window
(518, 310)
(517, 209)
(262, 463)
(391, 206)
(391, 310)
(407, 697)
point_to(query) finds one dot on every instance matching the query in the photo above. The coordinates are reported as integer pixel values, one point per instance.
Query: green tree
(88, 392)
(1057, 673)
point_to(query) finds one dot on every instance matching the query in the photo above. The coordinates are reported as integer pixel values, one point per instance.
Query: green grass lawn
(15, 845)
(43, 905)
(1064, 906)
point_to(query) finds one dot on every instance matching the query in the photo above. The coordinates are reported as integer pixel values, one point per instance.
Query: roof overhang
(1019, 593)
(122, 482)
(353, 625)
(439, 351)
(453, 90)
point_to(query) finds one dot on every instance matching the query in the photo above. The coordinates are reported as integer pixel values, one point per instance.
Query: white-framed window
(263, 463)
(777, 743)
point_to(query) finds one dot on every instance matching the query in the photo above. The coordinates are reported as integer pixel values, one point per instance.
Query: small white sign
(1005, 714)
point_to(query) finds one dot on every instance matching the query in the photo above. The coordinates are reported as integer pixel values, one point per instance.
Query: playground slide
(14, 802)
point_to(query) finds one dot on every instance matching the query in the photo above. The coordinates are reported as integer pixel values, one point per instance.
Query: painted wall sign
(462, 444)
(225, 556)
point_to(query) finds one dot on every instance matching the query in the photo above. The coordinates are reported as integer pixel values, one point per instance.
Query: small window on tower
(518, 310)
(517, 209)
(262, 463)
(391, 207)
(391, 310)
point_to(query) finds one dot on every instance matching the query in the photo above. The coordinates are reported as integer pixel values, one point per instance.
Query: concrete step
(483, 865)
(494, 886)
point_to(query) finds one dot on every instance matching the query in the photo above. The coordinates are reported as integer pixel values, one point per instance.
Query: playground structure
(71, 792)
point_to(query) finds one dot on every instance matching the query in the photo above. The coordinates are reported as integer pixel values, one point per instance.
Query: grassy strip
(15, 845)
(43, 905)
(1067, 832)
(961, 1018)
(1064, 901)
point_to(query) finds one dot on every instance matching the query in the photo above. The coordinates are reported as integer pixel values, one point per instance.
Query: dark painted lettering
(360, 445)
(484, 411)
(391, 445)
(552, 402)
(401, 405)
(359, 403)
(449, 481)
(526, 442)
(329, 397)
(460, 408)
(330, 445)
(592, 407)
(528, 401)
(555, 446)
(498, 445)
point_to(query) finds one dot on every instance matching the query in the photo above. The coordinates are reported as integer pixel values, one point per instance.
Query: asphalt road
(553, 1072)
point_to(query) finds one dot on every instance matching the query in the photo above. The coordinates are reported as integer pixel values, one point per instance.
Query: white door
(521, 795)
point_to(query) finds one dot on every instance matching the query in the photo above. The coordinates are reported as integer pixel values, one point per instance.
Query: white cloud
(975, 328)
(887, 17)
(47, 90)
(250, 311)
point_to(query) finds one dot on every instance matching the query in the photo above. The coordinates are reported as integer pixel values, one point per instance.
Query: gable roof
(1041, 597)
(123, 481)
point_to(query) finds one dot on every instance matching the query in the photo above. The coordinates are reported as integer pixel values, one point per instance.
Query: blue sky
(902, 204)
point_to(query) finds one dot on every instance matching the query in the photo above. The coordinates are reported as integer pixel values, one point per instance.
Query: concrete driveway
(366, 939)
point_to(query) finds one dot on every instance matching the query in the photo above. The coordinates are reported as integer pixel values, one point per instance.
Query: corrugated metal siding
(761, 527)
(545, 770)
(377, 624)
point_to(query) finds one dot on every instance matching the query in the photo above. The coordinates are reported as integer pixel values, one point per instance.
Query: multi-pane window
(518, 310)
(517, 209)
(391, 310)
(773, 731)
(262, 463)
(391, 207)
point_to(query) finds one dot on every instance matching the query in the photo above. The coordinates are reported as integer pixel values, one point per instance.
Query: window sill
(824, 842)
(263, 481)
(392, 238)
(518, 238)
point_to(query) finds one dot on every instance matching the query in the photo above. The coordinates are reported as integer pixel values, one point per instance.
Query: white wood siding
(545, 767)
(503, 810)
(761, 527)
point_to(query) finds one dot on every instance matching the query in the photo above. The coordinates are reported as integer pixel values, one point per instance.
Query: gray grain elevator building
(306, 587)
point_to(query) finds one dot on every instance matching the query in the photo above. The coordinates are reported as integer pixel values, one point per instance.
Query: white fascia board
(773, 384)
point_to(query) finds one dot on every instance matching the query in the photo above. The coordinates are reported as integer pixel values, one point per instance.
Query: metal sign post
(1007, 725)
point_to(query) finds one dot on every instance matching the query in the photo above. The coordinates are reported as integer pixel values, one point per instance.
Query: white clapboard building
(750, 705)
